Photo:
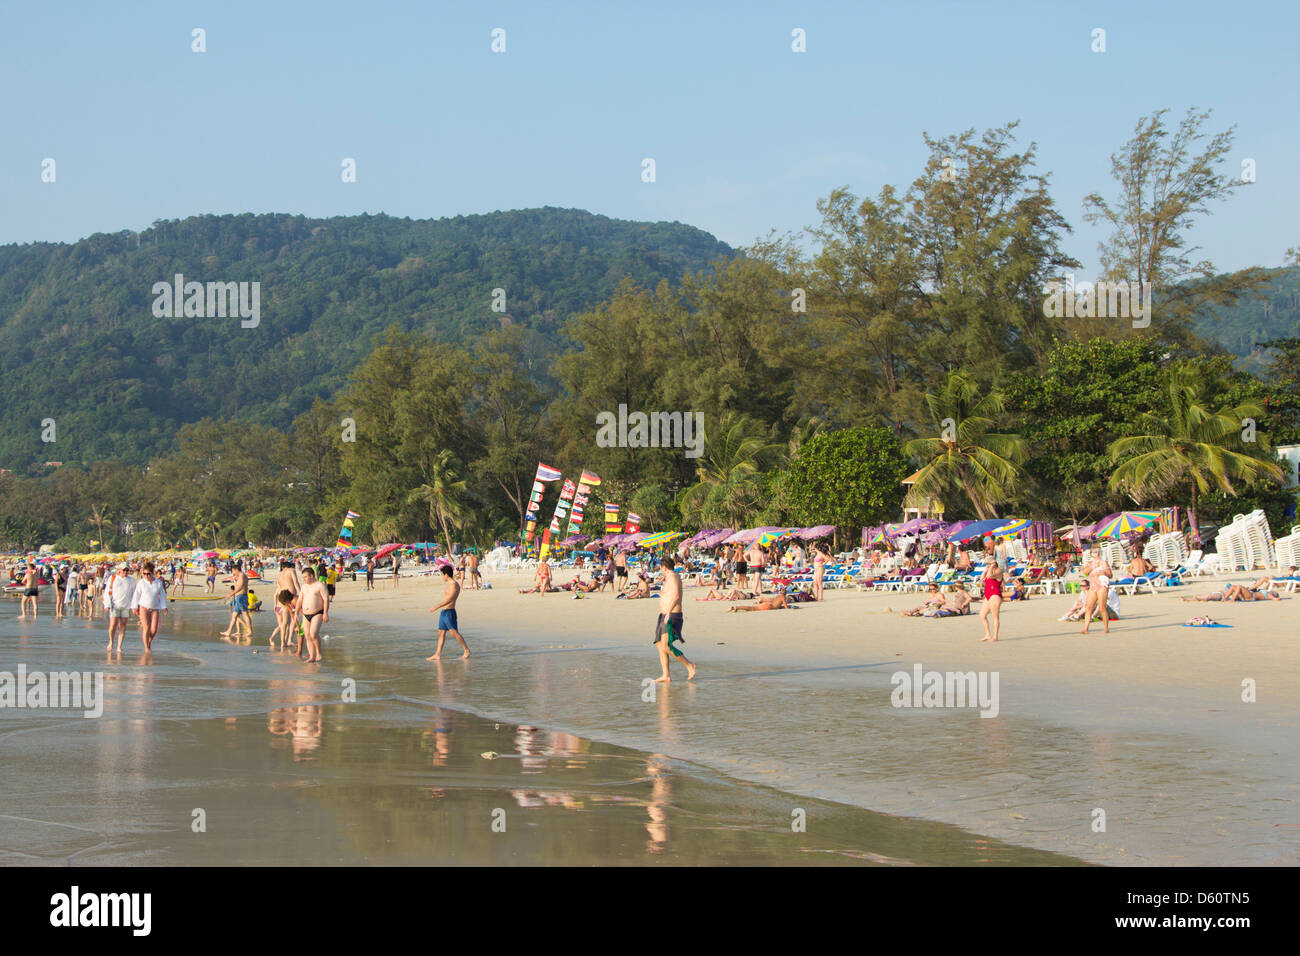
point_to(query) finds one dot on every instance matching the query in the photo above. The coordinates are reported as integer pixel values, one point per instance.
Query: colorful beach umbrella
(1126, 522)
(660, 538)
(1013, 527)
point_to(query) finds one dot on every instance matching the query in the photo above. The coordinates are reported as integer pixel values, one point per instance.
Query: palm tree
(967, 459)
(1189, 442)
(727, 487)
(98, 515)
(444, 493)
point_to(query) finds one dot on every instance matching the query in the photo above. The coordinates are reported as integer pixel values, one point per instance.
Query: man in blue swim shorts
(447, 614)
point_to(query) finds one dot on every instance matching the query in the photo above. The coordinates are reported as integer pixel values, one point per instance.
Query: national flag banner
(589, 478)
(633, 523)
(547, 473)
(575, 519)
(353, 515)
(612, 524)
(562, 506)
(347, 523)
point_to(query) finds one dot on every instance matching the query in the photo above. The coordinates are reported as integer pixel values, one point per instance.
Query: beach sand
(1146, 724)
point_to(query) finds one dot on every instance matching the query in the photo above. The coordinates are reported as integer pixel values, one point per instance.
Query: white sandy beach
(1146, 724)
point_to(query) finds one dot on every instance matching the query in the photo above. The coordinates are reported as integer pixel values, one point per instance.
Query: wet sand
(286, 770)
(1146, 724)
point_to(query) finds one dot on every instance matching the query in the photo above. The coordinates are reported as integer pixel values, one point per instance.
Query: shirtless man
(239, 618)
(288, 581)
(315, 605)
(447, 615)
(620, 570)
(1139, 567)
(669, 626)
(756, 558)
(471, 566)
(31, 590)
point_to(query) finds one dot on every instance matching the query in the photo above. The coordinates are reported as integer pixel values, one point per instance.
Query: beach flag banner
(612, 525)
(345, 534)
(633, 523)
(561, 512)
(585, 484)
(545, 473)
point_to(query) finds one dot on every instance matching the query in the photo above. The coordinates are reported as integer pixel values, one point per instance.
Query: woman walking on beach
(1097, 571)
(992, 602)
(150, 600)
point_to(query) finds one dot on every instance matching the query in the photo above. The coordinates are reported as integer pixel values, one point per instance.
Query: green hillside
(1273, 314)
(79, 342)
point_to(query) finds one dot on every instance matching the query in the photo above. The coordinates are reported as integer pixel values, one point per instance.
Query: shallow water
(285, 770)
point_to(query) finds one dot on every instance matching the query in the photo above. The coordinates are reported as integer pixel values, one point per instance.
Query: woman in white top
(150, 599)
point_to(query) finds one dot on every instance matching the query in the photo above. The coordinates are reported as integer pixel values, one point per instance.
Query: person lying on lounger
(775, 603)
(1266, 582)
(935, 600)
(1236, 592)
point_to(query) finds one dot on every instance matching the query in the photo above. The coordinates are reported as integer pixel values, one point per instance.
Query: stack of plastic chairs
(1114, 553)
(1287, 550)
(1246, 543)
(1166, 551)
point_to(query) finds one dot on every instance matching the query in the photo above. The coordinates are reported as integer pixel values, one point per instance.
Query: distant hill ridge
(79, 342)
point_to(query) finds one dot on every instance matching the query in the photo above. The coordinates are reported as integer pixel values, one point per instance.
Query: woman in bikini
(992, 602)
(1097, 570)
(819, 571)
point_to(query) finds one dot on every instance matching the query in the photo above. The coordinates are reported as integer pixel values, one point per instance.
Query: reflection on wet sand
(303, 725)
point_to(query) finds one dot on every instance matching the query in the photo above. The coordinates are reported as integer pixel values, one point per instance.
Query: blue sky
(746, 135)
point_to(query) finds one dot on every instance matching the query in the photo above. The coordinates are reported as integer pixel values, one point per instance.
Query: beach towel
(1204, 622)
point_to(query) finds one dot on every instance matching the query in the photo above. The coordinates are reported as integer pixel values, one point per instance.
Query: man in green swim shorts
(668, 629)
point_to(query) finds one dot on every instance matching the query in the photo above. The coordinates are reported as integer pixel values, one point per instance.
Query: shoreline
(1086, 723)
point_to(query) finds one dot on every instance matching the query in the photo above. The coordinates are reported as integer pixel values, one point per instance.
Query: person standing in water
(119, 593)
(446, 608)
(150, 600)
(315, 610)
(992, 602)
(31, 590)
(669, 626)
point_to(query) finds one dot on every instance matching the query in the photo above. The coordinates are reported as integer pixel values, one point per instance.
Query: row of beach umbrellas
(933, 531)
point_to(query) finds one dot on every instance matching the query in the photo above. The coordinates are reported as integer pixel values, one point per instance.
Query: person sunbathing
(776, 602)
(1077, 610)
(935, 600)
(956, 602)
(642, 590)
(1266, 582)
(1236, 592)
(717, 594)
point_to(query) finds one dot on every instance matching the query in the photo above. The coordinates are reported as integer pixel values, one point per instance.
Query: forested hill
(1273, 313)
(80, 344)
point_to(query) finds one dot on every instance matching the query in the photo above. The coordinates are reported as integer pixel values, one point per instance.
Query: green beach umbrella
(1127, 521)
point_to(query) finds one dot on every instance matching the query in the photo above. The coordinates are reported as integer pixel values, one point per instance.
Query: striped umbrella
(662, 537)
(1127, 521)
(767, 537)
(1012, 527)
